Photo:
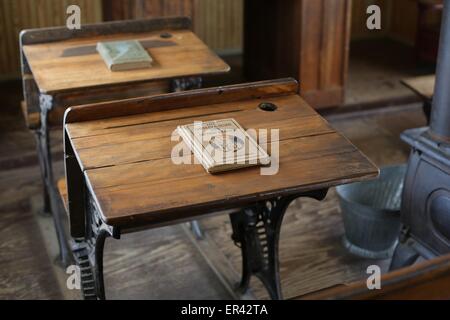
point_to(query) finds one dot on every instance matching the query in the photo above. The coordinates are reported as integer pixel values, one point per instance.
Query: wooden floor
(311, 255)
(376, 67)
(26, 270)
(163, 264)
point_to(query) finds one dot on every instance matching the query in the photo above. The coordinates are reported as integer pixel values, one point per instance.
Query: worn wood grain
(141, 266)
(162, 122)
(65, 64)
(187, 55)
(133, 205)
(186, 99)
(150, 189)
(160, 170)
(27, 271)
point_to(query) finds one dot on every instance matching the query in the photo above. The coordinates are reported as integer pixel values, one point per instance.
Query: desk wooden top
(127, 163)
(75, 64)
(423, 86)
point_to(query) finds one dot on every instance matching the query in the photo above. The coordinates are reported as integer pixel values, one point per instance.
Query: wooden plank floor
(26, 269)
(376, 67)
(158, 264)
(311, 253)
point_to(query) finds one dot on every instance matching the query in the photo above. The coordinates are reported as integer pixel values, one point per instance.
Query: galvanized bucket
(371, 213)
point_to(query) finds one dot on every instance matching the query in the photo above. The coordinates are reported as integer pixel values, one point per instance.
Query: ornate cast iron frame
(46, 165)
(256, 230)
(88, 253)
(44, 103)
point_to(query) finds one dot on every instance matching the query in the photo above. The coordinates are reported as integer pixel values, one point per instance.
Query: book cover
(124, 55)
(222, 145)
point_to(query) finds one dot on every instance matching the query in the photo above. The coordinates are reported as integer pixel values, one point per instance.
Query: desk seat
(62, 189)
(423, 86)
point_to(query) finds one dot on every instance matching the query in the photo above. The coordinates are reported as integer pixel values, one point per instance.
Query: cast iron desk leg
(88, 253)
(43, 148)
(46, 197)
(256, 230)
(51, 198)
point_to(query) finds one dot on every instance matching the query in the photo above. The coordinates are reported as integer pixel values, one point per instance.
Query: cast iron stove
(426, 195)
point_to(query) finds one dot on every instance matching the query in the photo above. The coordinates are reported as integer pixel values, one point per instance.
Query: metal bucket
(371, 213)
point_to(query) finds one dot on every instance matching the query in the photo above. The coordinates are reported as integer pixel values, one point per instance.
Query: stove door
(426, 202)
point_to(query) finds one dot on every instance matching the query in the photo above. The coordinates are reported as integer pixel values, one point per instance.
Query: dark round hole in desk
(267, 106)
(165, 35)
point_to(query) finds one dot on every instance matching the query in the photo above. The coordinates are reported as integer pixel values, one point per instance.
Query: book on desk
(222, 145)
(124, 55)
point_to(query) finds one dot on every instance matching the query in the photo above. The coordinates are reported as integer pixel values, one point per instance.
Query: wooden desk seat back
(74, 173)
(71, 97)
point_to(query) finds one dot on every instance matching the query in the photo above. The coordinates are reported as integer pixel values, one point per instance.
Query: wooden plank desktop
(422, 86)
(75, 64)
(126, 156)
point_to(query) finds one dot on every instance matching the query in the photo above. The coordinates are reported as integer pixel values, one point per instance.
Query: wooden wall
(304, 39)
(359, 18)
(220, 24)
(139, 9)
(324, 56)
(16, 15)
(399, 20)
(217, 22)
(403, 25)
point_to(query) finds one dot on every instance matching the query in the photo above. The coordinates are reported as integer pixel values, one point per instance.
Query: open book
(222, 145)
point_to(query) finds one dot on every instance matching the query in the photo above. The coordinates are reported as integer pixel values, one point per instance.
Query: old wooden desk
(424, 87)
(61, 67)
(121, 178)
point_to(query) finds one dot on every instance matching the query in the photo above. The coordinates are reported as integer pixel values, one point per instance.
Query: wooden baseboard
(324, 98)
